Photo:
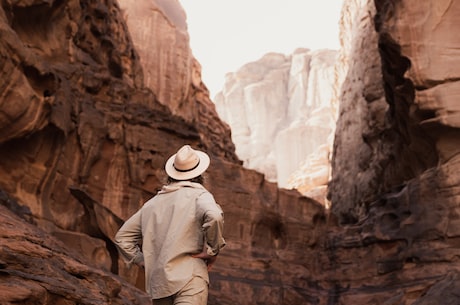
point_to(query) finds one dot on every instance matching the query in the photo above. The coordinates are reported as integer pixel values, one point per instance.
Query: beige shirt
(171, 226)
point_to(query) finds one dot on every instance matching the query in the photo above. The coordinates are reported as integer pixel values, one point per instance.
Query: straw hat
(187, 163)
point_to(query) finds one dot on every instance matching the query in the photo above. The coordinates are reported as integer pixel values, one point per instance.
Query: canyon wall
(87, 121)
(282, 113)
(84, 134)
(396, 111)
(396, 154)
(84, 137)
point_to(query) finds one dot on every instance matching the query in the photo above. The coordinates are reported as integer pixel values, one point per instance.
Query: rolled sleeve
(213, 223)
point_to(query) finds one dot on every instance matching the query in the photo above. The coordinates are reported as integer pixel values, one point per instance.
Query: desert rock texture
(396, 154)
(95, 95)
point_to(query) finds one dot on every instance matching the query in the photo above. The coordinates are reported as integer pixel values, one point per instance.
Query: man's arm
(212, 226)
(128, 238)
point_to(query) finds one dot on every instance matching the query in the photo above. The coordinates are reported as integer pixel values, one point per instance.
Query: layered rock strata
(83, 141)
(159, 35)
(83, 135)
(404, 115)
(396, 153)
(36, 268)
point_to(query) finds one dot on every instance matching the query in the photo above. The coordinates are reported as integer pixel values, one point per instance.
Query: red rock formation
(83, 143)
(172, 72)
(82, 140)
(35, 268)
(395, 178)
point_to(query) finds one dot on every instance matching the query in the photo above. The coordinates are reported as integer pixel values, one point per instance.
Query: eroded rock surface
(83, 141)
(159, 34)
(396, 152)
(403, 118)
(35, 268)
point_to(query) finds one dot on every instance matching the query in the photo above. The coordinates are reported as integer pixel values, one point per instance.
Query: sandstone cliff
(84, 133)
(282, 113)
(396, 151)
(85, 130)
(396, 111)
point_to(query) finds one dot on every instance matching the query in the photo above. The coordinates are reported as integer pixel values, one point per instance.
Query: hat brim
(201, 168)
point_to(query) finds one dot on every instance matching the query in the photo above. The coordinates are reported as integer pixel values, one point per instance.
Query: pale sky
(226, 34)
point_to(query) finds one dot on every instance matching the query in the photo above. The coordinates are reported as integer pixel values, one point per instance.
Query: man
(180, 229)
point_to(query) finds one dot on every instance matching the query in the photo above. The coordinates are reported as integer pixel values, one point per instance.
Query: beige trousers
(194, 292)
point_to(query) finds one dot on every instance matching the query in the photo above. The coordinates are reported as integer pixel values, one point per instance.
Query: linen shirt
(172, 226)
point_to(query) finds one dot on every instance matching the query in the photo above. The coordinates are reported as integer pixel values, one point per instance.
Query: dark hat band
(186, 170)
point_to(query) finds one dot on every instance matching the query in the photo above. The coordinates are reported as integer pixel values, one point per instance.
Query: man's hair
(198, 179)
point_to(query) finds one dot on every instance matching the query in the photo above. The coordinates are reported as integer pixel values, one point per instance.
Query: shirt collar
(177, 185)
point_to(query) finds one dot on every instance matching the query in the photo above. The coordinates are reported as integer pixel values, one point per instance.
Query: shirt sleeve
(128, 238)
(212, 223)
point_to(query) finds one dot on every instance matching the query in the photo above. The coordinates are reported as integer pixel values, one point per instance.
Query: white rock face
(282, 111)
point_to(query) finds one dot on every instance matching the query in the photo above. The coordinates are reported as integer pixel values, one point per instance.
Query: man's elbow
(216, 216)
(118, 239)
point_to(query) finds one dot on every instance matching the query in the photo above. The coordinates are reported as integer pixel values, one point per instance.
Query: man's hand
(208, 259)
